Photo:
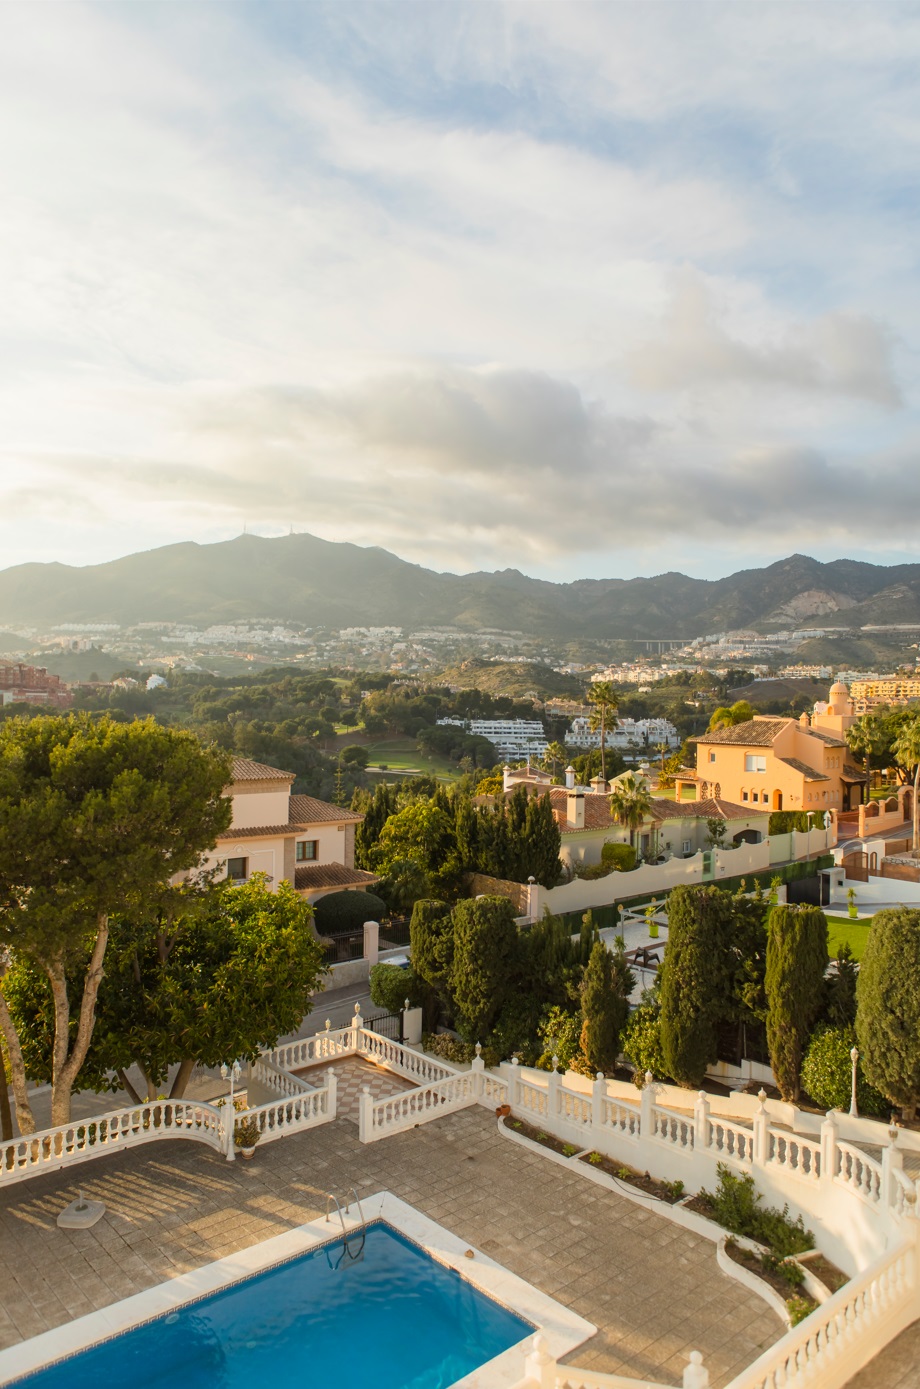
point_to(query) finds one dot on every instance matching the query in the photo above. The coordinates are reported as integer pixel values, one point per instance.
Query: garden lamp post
(231, 1073)
(854, 1057)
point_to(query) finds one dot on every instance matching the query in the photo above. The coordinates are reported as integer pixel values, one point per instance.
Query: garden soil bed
(827, 1273)
(702, 1206)
(752, 1262)
(641, 1180)
(546, 1140)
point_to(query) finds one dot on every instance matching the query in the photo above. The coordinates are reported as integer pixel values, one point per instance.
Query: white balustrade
(789, 1150)
(573, 1107)
(859, 1172)
(378, 1118)
(672, 1127)
(844, 1333)
(622, 1117)
(311, 1051)
(273, 1078)
(303, 1111)
(406, 1061)
(731, 1141)
(533, 1099)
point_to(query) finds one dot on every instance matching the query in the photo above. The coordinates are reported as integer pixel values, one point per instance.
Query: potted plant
(246, 1135)
(852, 910)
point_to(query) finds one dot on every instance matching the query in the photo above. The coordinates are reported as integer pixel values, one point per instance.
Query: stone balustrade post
(357, 1023)
(552, 1091)
(365, 1114)
(696, 1376)
(514, 1083)
(759, 1125)
(477, 1066)
(892, 1161)
(701, 1121)
(539, 1365)
(829, 1147)
(332, 1090)
(372, 942)
(646, 1101)
(598, 1101)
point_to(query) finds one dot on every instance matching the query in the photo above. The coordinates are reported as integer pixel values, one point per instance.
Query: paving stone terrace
(653, 1289)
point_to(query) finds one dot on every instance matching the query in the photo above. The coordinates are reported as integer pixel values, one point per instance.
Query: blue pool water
(392, 1318)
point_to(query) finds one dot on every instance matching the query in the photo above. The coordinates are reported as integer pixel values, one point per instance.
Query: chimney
(506, 777)
(575, 809)
(599, 786)
(570, 778)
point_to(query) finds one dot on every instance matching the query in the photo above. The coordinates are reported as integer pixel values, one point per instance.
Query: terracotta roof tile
(808, 773)
(244, 769)
(316, 875)
(753, 733)
(598, 817)
(241, 832)
(307, 810)
(828, 738)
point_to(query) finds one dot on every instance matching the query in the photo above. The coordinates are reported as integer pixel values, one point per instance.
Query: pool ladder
(361, 1231)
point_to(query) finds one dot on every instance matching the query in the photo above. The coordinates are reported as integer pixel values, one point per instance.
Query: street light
(231, 1073)
(854, 1057)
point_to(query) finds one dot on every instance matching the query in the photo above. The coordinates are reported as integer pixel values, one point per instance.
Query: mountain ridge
(312, 582)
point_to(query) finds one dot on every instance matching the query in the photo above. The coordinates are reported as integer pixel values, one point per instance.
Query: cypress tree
(888, 1007)
(794, 983)
(694, 980)
(431, 937)
(605, 994)
(542, 842)
(385, 803)
(486, 956)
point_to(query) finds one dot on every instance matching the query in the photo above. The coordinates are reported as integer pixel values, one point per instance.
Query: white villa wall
(266, 855)
(260, 807)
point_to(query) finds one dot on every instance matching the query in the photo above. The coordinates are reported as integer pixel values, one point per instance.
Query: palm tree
(553, 757)
(630, 803)
(865, 739)
(907, 751)
(606, 703)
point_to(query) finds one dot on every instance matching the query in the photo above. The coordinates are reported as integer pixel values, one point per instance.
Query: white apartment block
(511, 738)
(626, 733)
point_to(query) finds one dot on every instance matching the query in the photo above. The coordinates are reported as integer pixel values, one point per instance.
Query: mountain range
(319, 583)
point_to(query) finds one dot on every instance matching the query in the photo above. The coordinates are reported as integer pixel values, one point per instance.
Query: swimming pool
(380, 1308)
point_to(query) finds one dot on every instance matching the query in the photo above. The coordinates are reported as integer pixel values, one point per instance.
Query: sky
(585, 290)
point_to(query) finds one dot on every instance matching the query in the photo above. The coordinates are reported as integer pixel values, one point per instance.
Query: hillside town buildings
(32, 685)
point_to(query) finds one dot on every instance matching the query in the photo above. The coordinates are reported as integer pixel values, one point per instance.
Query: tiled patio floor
(653, 1289)
(352, 1073)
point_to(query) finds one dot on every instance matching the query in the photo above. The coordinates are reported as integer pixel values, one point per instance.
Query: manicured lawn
(402, 755)
(841, 930)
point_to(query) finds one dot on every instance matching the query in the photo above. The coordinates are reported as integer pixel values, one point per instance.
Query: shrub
(560, 1032)
(620, 857)
(888, 1007)
(642, 1040)
(799, 1308)
(590, 872)
(391, 986)
(342, 912)
(827, 1073)
(736, 1207)
(457, 1052)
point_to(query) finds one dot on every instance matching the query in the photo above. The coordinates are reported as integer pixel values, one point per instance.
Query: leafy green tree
(422, 832)
(621, 858)
(630, 803)
(604, 701)
(607, 985)
(95, 818)
(907, 750)
(541, 842)
(693, 980)
(559, 1033)
(727, 716)
(224, 976)
(642, 1038)
(715, 833)
(827, 1072)
(431, 936)
(405, 884)
(486, 958)
(888, 1007)
(392, 985)
(554, 760)
(794, 982)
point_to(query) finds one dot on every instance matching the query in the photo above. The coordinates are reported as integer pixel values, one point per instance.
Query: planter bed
(546, 1140)
(829, 1274)
(771, 1276)
(663, 1191)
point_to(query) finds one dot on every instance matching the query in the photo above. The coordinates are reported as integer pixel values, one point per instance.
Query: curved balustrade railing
(273, 1078)
(860, 1172)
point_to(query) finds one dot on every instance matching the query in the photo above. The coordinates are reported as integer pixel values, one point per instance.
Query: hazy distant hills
(312, 582)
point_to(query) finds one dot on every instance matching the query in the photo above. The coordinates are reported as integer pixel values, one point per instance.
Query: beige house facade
(782, 764)
(298, 839)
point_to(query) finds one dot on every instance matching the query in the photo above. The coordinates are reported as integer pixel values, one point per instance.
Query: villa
(299, 839)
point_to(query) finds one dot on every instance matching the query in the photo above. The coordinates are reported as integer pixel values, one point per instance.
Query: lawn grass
(841, 930)
(401, 754)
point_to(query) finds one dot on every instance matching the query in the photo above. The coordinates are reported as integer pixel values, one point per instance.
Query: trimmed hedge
(343, 912)
(621, 857)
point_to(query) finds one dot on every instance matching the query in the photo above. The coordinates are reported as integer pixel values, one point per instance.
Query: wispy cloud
(579, 289)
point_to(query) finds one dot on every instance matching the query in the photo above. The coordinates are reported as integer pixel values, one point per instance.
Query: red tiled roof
(598, 817)
(316, 875)
(244, 769)
(242, 832)
(307, 810)
(753, 733)
(808, 773)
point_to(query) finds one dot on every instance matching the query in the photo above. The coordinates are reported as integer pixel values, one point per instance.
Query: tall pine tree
(796, 964)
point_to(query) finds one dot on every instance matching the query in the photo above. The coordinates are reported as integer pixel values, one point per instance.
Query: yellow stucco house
(783, 764)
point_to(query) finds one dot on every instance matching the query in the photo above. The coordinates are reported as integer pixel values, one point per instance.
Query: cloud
(842, 353)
